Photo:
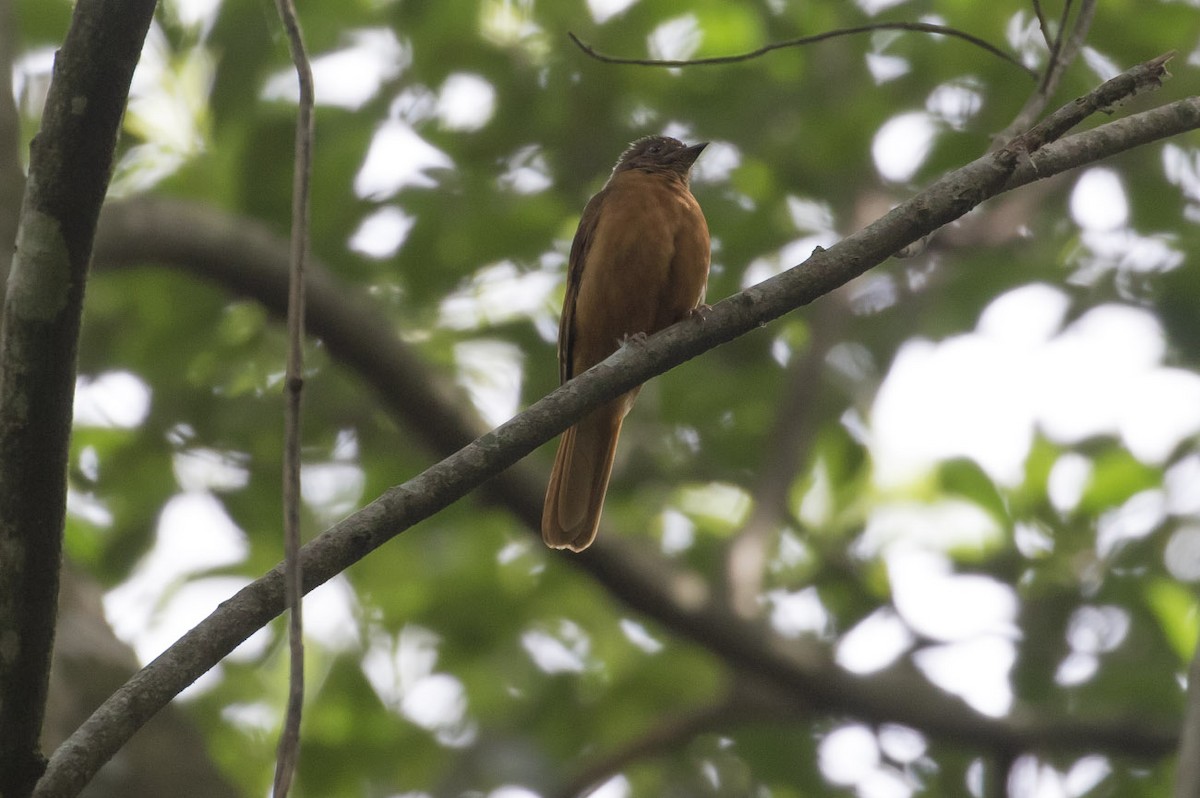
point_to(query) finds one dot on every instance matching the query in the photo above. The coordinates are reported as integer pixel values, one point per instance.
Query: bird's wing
(579, 250)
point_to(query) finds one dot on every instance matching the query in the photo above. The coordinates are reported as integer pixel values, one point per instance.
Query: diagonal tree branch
(894, 695)
(70, 165)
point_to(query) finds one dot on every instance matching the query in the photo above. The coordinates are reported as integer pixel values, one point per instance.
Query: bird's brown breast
(645, 267)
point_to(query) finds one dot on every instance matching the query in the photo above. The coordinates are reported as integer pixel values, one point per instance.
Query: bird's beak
(688, 155)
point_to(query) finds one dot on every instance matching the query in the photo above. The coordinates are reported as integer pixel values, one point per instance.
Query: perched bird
(639, 263)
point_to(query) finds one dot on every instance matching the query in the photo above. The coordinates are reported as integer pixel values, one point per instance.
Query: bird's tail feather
(580, 477)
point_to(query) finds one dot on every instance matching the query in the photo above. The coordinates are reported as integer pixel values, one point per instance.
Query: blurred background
(976, 468)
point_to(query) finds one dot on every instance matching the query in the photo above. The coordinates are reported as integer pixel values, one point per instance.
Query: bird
(638, 264)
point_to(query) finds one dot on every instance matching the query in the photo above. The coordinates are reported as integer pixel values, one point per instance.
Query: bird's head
(660, 154)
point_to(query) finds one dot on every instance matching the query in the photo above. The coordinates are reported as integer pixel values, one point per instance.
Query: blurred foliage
(535, 670)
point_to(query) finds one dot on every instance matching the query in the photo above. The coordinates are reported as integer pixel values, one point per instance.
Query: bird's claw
(634, 339)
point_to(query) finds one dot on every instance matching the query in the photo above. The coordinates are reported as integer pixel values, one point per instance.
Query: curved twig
(923, 27)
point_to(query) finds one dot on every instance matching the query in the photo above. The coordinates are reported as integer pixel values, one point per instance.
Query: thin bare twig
(923, 27)
(1043, 25)
(1071, 45)
(289, 740)
(1056, 48)
(1062, 55)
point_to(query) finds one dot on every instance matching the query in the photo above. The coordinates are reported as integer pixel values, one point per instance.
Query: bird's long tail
(580, 476)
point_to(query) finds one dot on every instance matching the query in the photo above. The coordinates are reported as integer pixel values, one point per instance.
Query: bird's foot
(634, 339)
(700, 312)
